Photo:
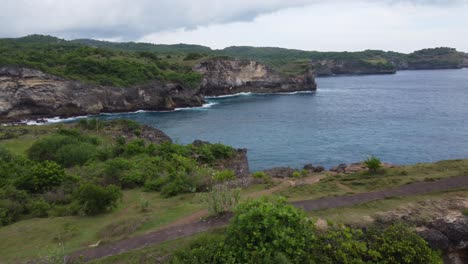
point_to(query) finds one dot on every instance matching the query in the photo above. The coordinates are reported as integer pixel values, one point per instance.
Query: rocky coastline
(225, 77)
(30, 94)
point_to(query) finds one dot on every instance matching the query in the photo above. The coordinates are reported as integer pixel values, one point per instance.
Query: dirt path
(189, 229)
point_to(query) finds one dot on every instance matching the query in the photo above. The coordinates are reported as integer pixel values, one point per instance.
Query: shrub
(205, 249)
(93, 199)
(43, 177)
(67, 148)
(400, 244)
(75, 154)
(134, 148)
(221, 199)
(155, 184)
(373, 164)
(261, 229)
(39, 208)
(224, 175)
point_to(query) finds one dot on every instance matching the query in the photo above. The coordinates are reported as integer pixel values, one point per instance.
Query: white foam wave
(229, 95)
(204, 106)
(52, 120)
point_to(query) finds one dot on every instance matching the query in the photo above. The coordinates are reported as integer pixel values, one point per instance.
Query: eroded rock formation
(32, 94)
(223, 77)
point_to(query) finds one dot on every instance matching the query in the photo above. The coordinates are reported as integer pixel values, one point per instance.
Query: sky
(333, 25)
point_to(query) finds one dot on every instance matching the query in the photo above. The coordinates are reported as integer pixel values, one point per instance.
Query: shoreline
(58, 119)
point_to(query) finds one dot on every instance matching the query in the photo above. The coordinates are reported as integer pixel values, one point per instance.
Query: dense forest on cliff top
(126, 64)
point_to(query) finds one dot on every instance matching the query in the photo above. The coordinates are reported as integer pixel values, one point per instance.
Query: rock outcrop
(223, 77)
(32, 94)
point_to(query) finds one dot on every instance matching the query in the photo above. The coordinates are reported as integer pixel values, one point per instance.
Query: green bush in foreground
(265, 231)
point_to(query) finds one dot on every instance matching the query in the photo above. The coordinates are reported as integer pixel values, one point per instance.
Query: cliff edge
(31, 94)
(224, 77)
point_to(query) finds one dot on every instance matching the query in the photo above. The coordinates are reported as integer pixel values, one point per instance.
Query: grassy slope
(32, 238)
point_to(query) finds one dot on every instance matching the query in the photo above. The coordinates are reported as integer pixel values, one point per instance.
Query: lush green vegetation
(91, 64)
(73, 171)
(125, 64)
(265, 231)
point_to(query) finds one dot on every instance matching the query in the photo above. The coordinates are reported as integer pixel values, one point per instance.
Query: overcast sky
(333, 25)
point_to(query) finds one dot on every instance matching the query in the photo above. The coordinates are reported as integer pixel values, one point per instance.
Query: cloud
(338, 26)
(132, 19)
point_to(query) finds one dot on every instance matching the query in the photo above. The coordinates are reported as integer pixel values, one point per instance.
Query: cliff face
(336, 67)
(27, 93)
(223, 77)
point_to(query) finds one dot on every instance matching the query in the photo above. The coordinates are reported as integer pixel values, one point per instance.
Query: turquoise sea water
(409, 117)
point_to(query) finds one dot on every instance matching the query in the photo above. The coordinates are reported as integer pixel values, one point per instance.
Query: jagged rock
(32, 94)
(312, 168)
(335, 67)
(222, 77)
(340, 168)
(435, 239)
(280, 172)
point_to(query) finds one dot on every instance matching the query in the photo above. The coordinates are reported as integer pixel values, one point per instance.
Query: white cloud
(339, 26)
(306, 24)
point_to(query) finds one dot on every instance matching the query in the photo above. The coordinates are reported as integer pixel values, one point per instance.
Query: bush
(68, 148)
(76, 154)
(262, 229)
(373, 164)
(221, 199)
(43, 177)
(93, 199)
(206, 249)
(400, 244)
(224, 175)
(39, 208)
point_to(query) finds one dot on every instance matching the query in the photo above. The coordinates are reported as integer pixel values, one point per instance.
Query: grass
(334, 185)
(32, 238)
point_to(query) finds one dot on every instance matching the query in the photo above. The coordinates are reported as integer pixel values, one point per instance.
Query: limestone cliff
(31, 94)
(223, 77)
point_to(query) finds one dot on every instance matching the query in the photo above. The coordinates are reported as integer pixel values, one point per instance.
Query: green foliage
(261, 229)
(373, 164)
(39, 208)
(221, 199)
(68, 148)
(93, 199)
(43, 177)
(95, 65)
(400, 244)
(265, 231)
(224, 175)
(208, 153)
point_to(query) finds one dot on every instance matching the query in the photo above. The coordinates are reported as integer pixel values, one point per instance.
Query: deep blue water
(409, 117)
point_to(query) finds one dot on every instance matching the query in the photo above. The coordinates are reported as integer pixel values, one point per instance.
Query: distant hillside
(292, 61)
(124, 64)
